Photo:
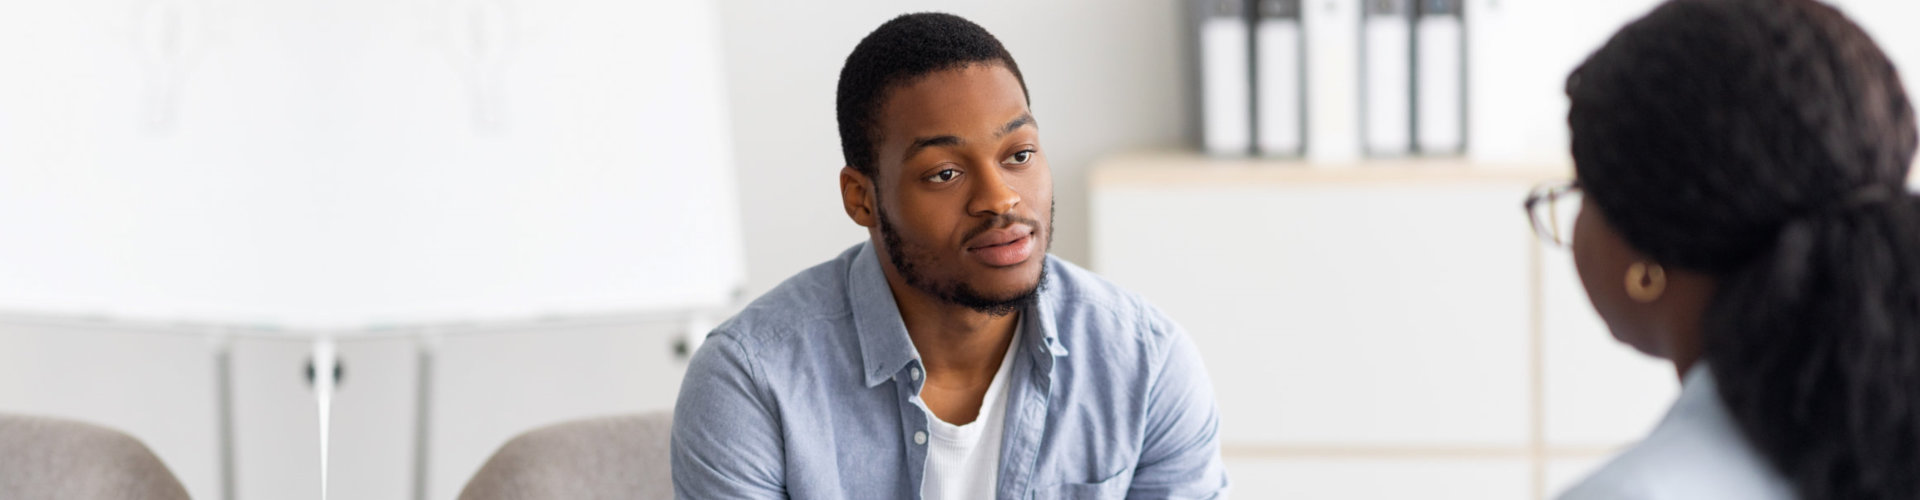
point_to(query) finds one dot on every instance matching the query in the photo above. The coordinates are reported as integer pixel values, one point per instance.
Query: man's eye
(944, 175)
(1020, 158)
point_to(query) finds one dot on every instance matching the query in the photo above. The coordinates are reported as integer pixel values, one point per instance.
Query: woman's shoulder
(1681, 470)
(1697, 452)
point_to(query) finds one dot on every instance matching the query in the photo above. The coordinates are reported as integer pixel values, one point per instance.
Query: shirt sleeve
(1180, 458)
(726, 436)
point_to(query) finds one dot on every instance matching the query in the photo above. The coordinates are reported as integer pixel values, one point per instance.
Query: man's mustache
(1000, 221)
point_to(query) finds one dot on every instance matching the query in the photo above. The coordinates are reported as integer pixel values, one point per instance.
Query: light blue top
(812, 392)
(1696, 453)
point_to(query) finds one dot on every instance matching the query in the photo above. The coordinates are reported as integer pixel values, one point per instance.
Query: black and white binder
(1279, 78)
(1439, 77)
(1333, 81)
(1226, 81)
(1386, 77)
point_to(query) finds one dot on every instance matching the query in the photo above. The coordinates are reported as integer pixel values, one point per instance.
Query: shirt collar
(1698, 403)
(1698, 389)
(885, 347)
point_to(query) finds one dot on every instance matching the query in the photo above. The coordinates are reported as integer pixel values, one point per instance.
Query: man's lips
(999, 237)
(1003, 247)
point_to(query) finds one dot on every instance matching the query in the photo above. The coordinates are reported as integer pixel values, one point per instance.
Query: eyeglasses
(1552, 209)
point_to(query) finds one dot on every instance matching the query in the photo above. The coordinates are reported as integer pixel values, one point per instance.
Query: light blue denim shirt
(812, 392)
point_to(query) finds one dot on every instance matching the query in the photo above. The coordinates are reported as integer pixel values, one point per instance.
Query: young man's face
(965, 202)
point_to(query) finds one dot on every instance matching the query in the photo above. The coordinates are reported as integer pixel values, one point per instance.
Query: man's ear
(856, 194)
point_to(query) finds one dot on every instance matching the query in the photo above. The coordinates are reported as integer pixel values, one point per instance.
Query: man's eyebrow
(918, 144)
(929, 142)
(1025, 119)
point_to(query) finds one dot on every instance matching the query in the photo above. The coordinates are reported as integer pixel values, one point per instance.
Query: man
(948, 357)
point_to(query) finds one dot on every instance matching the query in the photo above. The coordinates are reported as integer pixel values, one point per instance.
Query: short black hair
(895, 54)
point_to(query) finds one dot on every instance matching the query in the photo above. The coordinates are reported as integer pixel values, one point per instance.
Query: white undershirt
(963, 461)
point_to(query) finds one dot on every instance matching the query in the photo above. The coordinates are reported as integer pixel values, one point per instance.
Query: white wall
(1104, 76)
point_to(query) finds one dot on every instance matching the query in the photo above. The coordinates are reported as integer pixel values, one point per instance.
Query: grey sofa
(621, 457)
(56, 459)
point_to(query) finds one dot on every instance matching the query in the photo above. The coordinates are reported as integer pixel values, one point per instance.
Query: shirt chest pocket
(1111, 488)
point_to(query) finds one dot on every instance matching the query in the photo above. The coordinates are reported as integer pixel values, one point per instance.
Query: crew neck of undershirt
(993, 399)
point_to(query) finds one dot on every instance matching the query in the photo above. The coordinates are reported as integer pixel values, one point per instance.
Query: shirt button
(920, 437)
(914, 372)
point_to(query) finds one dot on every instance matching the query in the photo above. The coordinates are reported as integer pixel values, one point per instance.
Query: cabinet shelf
(1194, 169)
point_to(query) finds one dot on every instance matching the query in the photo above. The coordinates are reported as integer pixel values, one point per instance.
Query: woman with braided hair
(1742, 211)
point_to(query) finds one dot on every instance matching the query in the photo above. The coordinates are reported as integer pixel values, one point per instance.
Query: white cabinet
(484, 384)
(276, 423)
(490, 385)
(1377, 317)
(1284, 286)
(1394, 478)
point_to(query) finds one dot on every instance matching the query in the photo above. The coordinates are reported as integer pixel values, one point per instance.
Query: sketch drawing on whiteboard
(170, 37)
(477, 37)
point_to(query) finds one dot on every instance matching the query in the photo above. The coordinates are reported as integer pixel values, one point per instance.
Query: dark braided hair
(1767, 143)
(898, 53)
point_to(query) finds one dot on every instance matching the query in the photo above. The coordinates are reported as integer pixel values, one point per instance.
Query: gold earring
(1645, 282)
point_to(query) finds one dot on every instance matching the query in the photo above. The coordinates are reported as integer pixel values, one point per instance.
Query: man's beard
(958, 292)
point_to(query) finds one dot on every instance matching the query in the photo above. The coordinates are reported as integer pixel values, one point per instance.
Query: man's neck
(957, 344)
(960, 348)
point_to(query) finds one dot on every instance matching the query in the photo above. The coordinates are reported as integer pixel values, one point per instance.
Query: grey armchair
(56, 459)
(622, 457)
